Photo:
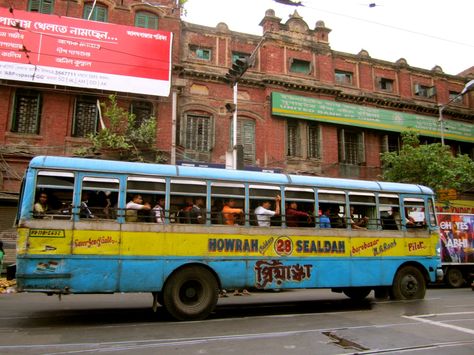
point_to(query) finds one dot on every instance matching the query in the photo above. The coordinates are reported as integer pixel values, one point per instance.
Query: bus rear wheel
(454, 277)
(357, 293)
(190, 294)
(409, 284)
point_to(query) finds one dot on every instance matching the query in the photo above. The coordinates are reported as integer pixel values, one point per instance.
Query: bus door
(96, 232)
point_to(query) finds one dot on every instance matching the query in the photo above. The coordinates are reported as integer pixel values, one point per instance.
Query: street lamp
(469, 86)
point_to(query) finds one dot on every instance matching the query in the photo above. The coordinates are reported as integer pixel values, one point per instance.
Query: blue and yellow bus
(82, 239)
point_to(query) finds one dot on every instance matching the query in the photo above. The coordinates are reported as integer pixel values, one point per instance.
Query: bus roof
(135, 168)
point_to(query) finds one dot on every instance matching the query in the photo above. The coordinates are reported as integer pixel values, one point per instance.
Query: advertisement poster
(457, 237)
(56, 50)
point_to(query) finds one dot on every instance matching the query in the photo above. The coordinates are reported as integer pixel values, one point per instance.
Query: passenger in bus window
(159, 211)
(360, 223)
(40, 208)
(324, 221)
(198, 211)
(184, 214)
(216, 212)
(264, 213)
(85, 212)
(336, 220)
(294, 217)
(230, 213)
(398, 219)
(135, 205)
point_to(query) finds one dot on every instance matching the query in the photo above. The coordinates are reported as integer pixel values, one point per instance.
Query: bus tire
(357, 293)
(190, 293)
(454, 277)
(409, 284)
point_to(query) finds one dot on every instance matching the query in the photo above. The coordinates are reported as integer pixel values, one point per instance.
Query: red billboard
(59, 50)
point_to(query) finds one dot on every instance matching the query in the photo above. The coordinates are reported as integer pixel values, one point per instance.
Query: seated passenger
(264, 214)
(159, 211)
(85, 212)
(198, 211)
(361, 223)
(40, 208)
(336, 220)
(135, 205)
(324, 221)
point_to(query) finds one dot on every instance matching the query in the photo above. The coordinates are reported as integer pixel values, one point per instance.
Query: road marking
(423, 318)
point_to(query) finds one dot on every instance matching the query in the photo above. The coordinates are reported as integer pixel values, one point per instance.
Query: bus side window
(185, 195)
(363, 212)
(299, 207)
(335, 201)
(415, 216)
(54, 193)
(142, 196)
(221, 194)
(265, 201)
(388, 205)
(98, 197)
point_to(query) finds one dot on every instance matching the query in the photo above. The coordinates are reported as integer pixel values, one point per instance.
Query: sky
(424, 32)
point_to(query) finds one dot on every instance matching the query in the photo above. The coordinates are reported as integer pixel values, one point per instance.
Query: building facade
(302, 108)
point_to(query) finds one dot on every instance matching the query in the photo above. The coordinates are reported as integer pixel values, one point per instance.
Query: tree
(123, 137)
(432, 165)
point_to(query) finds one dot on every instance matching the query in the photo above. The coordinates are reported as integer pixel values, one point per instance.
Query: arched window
(146, 20)
(99, 12)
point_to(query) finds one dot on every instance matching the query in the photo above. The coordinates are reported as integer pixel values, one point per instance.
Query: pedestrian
(2, 255)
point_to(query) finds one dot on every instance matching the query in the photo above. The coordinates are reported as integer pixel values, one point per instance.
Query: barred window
(42, 6)
(142, 110)
(313, 140)
(351, 147)
(99, 13)
(86, 116)
(292, 138)
(197, 132)
(26, 112)
(146, 19)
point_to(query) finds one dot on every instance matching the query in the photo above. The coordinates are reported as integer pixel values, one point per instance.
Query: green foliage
(123, 138)
(432, 165)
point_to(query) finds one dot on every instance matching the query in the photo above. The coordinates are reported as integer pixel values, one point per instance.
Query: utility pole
(233, 76)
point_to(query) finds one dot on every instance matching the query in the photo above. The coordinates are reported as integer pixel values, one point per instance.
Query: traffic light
(239, 67)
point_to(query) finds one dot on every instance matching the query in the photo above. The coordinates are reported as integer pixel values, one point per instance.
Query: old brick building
(302, 108)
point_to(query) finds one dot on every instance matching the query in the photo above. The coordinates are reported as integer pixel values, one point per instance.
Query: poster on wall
(59, 50)
(457, 237)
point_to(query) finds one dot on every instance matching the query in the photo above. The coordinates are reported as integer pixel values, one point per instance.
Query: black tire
(454, 277)
(357, 293)
(409, 284)
(190, 294)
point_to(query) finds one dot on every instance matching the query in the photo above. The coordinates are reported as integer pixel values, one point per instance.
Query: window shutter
(361, 148)
(47, 7)
(34, 5)
(385, 147)
(342, 146)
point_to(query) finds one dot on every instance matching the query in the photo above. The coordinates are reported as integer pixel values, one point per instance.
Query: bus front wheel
(190, 294)
(409, 284)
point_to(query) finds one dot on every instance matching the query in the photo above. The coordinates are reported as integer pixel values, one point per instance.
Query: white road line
(423, 318)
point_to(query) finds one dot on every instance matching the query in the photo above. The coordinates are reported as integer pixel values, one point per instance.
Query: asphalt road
(289, 322)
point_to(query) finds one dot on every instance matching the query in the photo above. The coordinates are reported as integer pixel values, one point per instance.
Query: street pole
(234, 129)
(468, 87)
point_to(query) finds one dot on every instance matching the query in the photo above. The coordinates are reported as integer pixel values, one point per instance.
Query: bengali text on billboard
(59, 50)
